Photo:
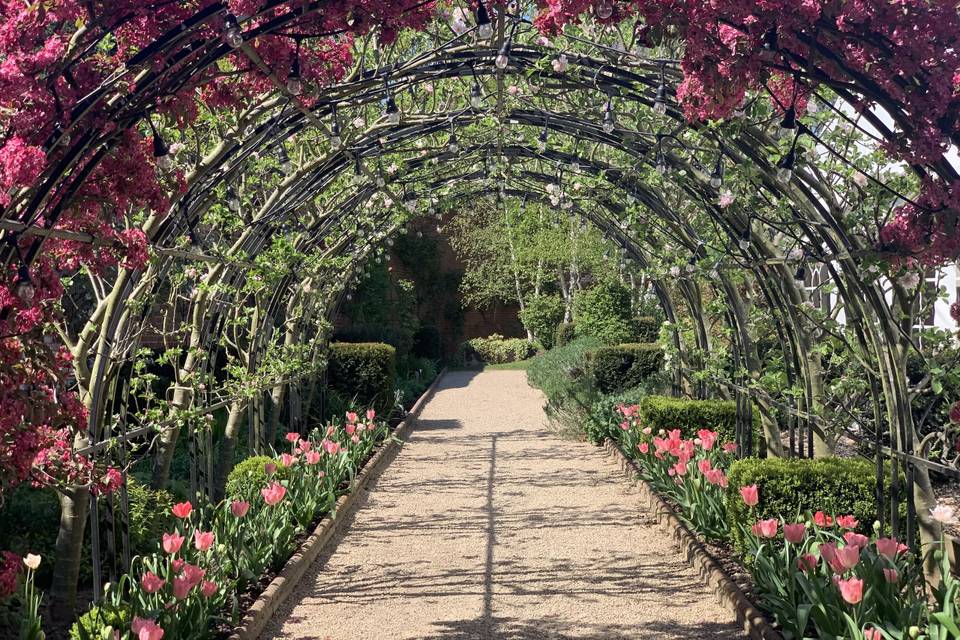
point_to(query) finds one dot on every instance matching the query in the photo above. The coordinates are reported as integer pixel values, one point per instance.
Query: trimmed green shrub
(93, 624)
(647, 329)
(604, 313)
(566, 333)
(540, 316)
(563, 375)
(364, 371)
(248, 477)
(625, 365)
(788, 487)
(495, 349)
(664, 412)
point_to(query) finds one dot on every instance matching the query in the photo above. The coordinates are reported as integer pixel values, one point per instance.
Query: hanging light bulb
(609, 122)
(349, 297)
(789, 123)
(786, 164)
(661, 165)
(542, 141)
(716, 178)
(380, 181)
(660, 101)
(503, 56)
(484, 27)
(231, 31)
(294, 83)
(335, 140)
(476, 97)
(233, 201)
(452, 145)
(391, 111)
(603, 9)
(161, 151)
(745, 238)
(285, 165)
(25, 289)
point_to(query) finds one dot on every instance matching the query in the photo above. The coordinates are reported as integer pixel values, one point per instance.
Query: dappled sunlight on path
(489, 526)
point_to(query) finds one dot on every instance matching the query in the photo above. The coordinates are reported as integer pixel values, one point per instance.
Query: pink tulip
(350, 428)
(287, 460)
(181, 588)
(644, 448)
(151, 582)
(355, 439)
(202, 540)
(274, 493)
(822, 520)
(647, 431)
(847, 522)
(312, 457)
(182, 510)
(177, 564)
(172, 542)
(330, 446)
(269, 468)
(872, 634)
(795, 533)
(704, 465)
(371, 414)
(851, 590)
(193, 574)
(766, 528)
(146, 629)
(807, 562)
(305, 445)
(717, 477)
(208, 589)
(856, 539)
(707, 438)
(351, 417)
(625, 426)
(750, 495)
(849, 556)
(888, 548)
(680, 468)
(828, 551)
(292, 437)
(891, 575)
(730, 447)
(239, 508)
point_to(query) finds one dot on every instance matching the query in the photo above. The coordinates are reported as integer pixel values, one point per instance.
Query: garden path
(487, 525)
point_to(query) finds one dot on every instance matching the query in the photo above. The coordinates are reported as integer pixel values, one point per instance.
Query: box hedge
(365, 372)
(249, 476)
(495, 349)
(789, 487)
(663, 412)
(625, 365)
(648, 329)
(566, 333)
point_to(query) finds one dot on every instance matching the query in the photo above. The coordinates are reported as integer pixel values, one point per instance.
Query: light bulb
(231, 31)
(484, 27)
(165, 162)
(452, 145)
(660, 101)
(233, 202)
(609, 124)
(485, 31)
(603, 9)
(294, 86)
(391, 111)
(785, 166)
(503, 58)
(476, 97)
(349, 297)
(745, 239)
(285, 165)
(380, 181)
(336, 141)
(789, 123)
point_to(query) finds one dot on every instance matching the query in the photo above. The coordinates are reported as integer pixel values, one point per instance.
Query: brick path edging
(711, 572)
(280, 588)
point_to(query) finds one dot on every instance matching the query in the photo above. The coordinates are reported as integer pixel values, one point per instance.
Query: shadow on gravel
(552, 629)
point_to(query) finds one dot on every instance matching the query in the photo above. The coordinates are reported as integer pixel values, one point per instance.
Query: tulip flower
(151, 582)
(704, 465)
(331, 447)
(807, 562)
(202, 540)
(944, 515)
(177, 564)
(269, 468)
(371, 414)
(292, 436)
(856, 539)
(193, 573)
(873, 634)
(891, 576)
(350, 428)
(145, 629)
(239, 508)
(888, 548)
(31, 561)
(766, 528)
(181, 588)
(822, 520)
(172, 542)
(312, 457)
(851, 590)
(643, 447)
(847, 522)
(750, 495)
(849, 556)
(287, 460)
(730, 447)
(274, 493)
(208, 589)
(305, 445)
(795, 533)
(182, 510)
(351, 417)
(707, 438)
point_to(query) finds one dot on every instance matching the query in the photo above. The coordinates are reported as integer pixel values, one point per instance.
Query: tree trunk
(74, 507)
(228, 447)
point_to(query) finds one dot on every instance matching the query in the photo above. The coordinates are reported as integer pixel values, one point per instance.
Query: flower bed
(814, 574)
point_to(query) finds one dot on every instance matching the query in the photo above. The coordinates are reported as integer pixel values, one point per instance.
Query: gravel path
(489, 526)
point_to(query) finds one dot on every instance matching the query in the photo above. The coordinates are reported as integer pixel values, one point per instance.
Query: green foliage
(626, 365)
(93, 625)
(788, 487)
(427, 343)
(495, 349)
(364, 371)
(566, 333)
(663, 412)
(563, 375)
(149, 515)
(382, 311)
(603, 417)
(604, 313)
(647, 329)
(248, 477)
(413, 378)
(540, 316)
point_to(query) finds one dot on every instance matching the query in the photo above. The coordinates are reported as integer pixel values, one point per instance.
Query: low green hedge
(249, 476)
(788, 487)
(624, 366)
(495, 349)
(566, 333)
(365, 372)
(663, 412)
(604, 420)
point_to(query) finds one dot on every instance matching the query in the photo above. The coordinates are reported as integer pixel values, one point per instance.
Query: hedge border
(261, 611)
(728, 594)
